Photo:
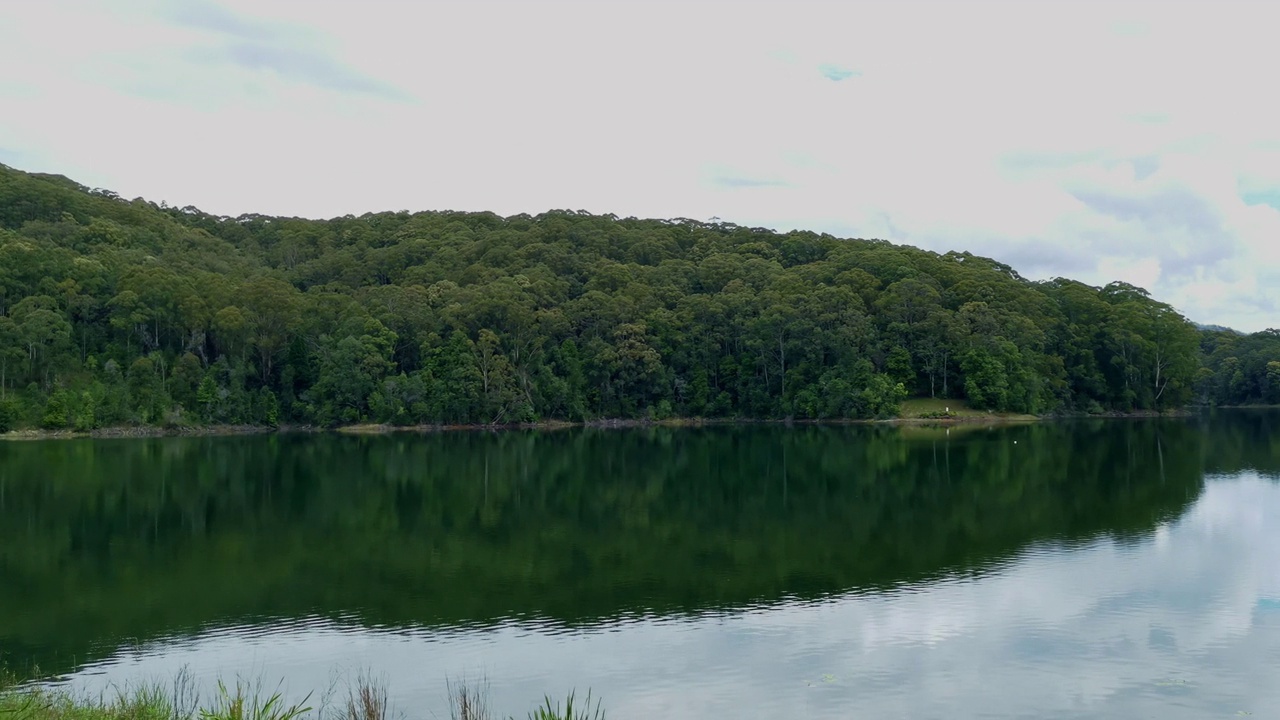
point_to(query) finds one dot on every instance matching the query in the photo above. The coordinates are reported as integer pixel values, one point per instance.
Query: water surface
(1080, 569)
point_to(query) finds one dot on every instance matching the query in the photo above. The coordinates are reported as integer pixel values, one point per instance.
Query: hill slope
(116, 312)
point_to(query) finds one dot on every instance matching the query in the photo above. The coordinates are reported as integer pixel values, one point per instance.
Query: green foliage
(207, 395)
(985, 383)
(248, 703)
(1239, 369)
(144, 703)
(548, 711)
(58, 411)
(449, 318)
(268, 408)
(882, 397)
(86, 418)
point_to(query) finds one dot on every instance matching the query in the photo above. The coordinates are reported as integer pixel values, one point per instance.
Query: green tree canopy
(450, 317)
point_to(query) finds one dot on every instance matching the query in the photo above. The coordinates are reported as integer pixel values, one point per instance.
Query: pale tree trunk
(1162, 362)
(945, 393)
(1159, 388)
(485, 369)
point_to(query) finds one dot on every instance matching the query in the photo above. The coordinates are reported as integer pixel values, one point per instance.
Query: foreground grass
(363, 699)
(50, 705)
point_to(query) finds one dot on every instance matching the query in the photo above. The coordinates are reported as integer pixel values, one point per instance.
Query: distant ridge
(1216, 328)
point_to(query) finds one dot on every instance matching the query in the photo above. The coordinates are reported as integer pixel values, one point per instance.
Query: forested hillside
(120, 312)
(1240, 369)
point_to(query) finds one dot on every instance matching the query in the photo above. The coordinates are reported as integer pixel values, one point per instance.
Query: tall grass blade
(553, 712)
(367, 700)
(243, 704)
(468, 702)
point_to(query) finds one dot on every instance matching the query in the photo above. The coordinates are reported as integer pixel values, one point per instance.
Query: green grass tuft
(549, 712)
(366, 700)
(247, 703)
(469, 702)
(150, 703)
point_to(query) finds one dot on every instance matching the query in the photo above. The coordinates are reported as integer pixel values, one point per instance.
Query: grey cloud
(292, 52)
(1192, 240)
(1145, 166)
(297, 64)
(1185, 231)
(1167, 209)
(1030, 257)
(215, 18)
(1040, 259)
(1180, 229)
(1261, 303)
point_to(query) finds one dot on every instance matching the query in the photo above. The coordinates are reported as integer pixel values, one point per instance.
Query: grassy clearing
(938, 407)
(365, 698)
(946, 409)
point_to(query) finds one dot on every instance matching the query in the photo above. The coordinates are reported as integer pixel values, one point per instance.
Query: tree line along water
(117, 312)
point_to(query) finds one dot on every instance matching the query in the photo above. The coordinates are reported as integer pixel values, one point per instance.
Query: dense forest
(1240, 369)
(116, 312)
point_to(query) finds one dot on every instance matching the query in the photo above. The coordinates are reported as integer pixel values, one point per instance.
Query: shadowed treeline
(1242, 439)
(105, 542)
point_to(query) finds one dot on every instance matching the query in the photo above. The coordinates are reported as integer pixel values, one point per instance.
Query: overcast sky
(1099, 141)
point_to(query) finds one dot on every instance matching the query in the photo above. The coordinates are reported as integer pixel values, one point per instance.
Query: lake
(1077, 569)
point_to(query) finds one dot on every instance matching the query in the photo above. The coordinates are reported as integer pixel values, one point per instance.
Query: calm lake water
(1126, 569)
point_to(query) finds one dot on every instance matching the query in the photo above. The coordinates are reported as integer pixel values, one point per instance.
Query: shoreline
(149, 431)
(1240, 407)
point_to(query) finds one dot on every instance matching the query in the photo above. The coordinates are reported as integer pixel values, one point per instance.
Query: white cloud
(1084, 140)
